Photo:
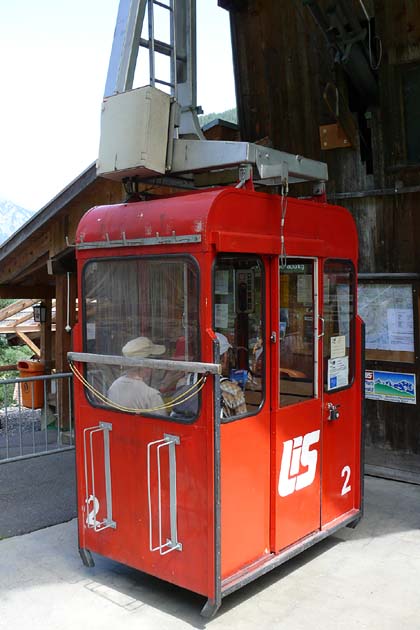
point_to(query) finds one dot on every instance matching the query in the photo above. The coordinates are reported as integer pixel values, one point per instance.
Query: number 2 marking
(346, 472)
(91, 516)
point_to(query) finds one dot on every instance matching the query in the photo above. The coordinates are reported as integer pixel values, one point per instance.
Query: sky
(53, 64)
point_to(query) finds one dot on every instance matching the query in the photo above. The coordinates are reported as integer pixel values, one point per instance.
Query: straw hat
(223, 343)
(142, 347)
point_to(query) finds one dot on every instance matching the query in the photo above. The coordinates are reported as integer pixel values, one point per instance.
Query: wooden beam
(29, 343)
(31, 270)
(20, 321)
(46, 339)
(8, 368)
(14, 308)
(34, 291)
(23, 319)
(29, 328)
(29, 253)
(63, 339)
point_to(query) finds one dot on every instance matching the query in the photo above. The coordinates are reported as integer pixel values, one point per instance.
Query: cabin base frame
(86, 557)
(263, 566)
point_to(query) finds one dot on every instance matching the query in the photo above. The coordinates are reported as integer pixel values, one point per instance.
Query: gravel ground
(14, 417)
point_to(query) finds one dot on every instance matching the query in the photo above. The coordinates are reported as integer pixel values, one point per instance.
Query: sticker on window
(338, 373)
(338, 347)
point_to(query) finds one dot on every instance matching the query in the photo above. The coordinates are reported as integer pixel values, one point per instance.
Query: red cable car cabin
(211, 480)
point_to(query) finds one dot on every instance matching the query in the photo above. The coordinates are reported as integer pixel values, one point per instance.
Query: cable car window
(142, 308)
(339, 314)
(296, 332)
(238, 322)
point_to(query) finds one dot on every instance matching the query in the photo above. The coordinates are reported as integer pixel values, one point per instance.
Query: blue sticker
(333, 382)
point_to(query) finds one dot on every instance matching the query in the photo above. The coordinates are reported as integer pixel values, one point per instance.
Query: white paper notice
(343, 306)
(221, 315)
(400, 329)
(338, 373)
(304, 289)
(338, 347)
(221, 282)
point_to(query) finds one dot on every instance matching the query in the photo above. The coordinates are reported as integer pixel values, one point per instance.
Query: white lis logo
(297, 454)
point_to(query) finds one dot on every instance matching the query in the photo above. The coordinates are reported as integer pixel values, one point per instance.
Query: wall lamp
(40, 313)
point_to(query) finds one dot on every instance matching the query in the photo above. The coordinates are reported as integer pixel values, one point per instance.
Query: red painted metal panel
(261, 514)
(245, 470)
(341, 466)
(297, 472)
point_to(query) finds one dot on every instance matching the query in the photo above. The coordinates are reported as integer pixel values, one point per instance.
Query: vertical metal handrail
(6, 413)
(20, 422)
(213, 603)
(172, 543)
(90, 497)
(45, 407)
(149, 493)
(70, 396)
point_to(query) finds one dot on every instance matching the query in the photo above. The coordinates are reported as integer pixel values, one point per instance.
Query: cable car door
(341, 391)
(239, 319)
(296, 403)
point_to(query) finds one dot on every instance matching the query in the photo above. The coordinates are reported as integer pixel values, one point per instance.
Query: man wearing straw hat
(130, 390)
(233, 399)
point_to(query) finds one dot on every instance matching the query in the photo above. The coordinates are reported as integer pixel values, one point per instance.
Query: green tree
(4, 302)
(10, 355)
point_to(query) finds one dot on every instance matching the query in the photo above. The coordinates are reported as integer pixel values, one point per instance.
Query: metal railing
(36, 416)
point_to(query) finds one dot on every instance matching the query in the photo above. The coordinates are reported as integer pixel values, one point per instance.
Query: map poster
(387, 311)
(400, 329)
(390, 386)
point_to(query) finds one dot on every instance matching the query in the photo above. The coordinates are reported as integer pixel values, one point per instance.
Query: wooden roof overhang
(18, 324)
(42, 248)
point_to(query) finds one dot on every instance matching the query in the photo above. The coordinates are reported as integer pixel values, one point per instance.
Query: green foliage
(10, 355)
(5, 302)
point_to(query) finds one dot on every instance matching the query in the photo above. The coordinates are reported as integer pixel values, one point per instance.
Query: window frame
(352, 347)
(315, 262)
(260, 258)
(161, 256)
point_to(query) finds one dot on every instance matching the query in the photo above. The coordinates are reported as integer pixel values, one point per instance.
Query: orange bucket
(32, 392)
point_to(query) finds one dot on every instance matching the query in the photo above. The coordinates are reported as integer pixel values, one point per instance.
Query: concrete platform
(36, 493)
(366, 578)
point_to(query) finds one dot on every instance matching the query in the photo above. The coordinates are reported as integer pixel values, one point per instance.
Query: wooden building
(320, 79)
(317, 78)
(38, 261)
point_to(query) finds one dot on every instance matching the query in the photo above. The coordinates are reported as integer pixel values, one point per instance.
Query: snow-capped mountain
(11, 218)
(403, 386)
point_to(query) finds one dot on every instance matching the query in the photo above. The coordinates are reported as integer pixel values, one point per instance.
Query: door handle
(323, 327)
(333, 413)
